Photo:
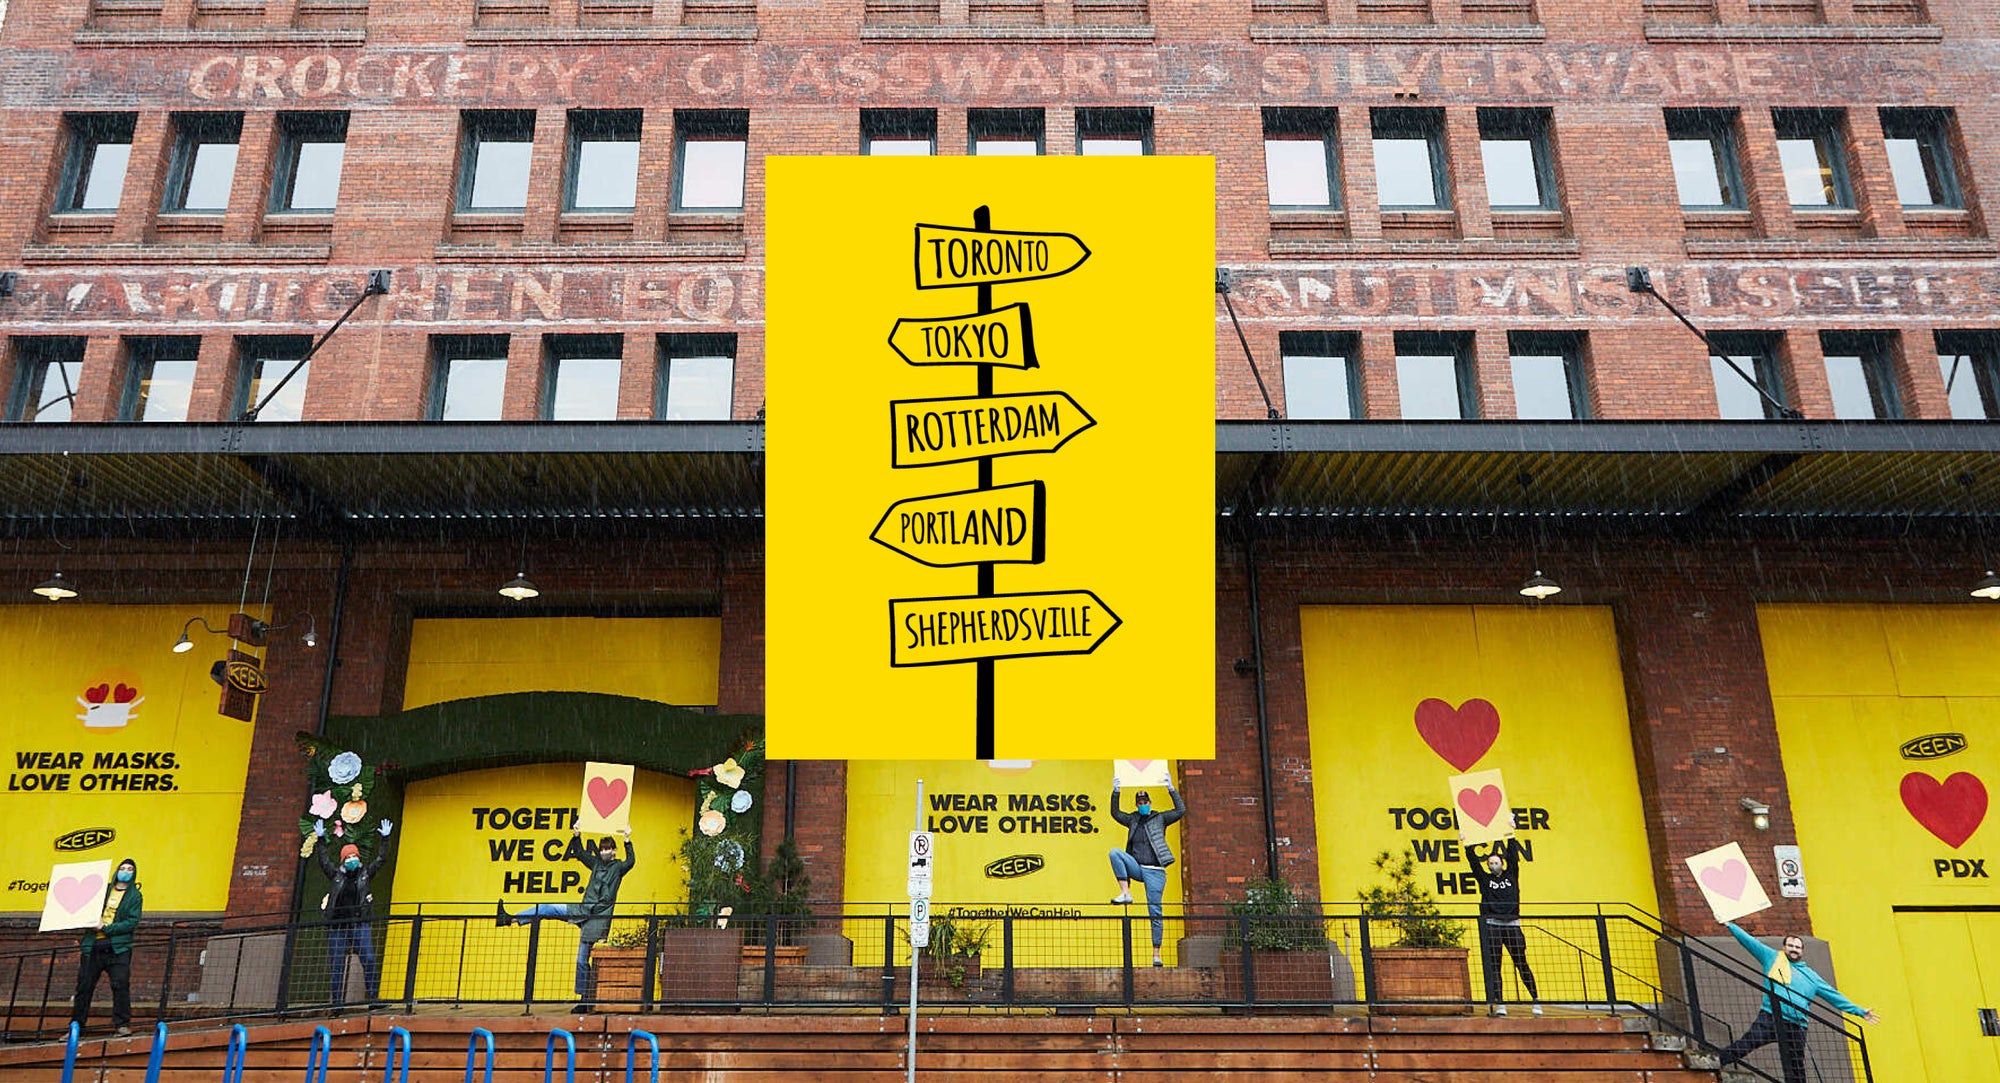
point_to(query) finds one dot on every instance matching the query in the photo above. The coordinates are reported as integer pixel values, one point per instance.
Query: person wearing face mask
(1499, 874)
(348, 910)
(592, 915)
(1790, 987)
(107, 950)
(1146, 854)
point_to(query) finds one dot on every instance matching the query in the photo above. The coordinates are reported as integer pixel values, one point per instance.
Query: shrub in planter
(1414, 950)
(1286, 936)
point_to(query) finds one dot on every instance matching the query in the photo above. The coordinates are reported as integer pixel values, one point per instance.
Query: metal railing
(1584, 957)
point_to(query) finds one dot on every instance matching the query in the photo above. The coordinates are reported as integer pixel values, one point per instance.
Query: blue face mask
(352, 863)
(124, 876)
(1144, 809)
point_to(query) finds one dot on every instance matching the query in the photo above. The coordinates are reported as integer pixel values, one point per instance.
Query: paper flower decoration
(344, 769)
(712, 822)
(729, 773)
(339, 830)
(354, 792)
(353, 811)
(323, 805)
(740, 801)
(729, 855)
(307, 849)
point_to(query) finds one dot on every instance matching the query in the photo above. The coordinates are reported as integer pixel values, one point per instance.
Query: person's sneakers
(1157, 962)
(1498, 1010)
(124, 1032)
(1120, 900)
(500, 915)
(582, 1008)
(1536, 1009)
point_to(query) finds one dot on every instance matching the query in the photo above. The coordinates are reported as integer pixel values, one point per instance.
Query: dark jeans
(359, 939)
(118, 966)
(1791, 1039)
(1491, 939)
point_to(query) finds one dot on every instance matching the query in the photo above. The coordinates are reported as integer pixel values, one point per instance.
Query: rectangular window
(1735, 398)
(493, 160)
(582, 377)
(1919, 145)
(1321, 379)
(159, 378)
(898, 132)
(1520, 170)
(1702, 143)
(1009, 132)
(268, 361)
(46, 374)
(697, 377)
(100, 147)
(1434, 375)
(1970, 364)
(311, 149)
(603, 160)
(1301, 159)
(1548, 376)
(1409, 159)
(1112, 132)
(1861, 376)
(203, 167)
(1809, 147)
(710, 148)
(469, 374)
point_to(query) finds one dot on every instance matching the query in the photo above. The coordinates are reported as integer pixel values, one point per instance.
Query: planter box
(621, 974)
(787, 955)
(1420, 981)
(700, 964)
(1279, 976)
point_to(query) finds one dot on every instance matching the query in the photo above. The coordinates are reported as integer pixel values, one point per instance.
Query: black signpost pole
(983, 695)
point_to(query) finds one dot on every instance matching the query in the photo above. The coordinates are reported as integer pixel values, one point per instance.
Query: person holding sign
(1146, 854)
(1792, 985)
(592, 915)
(107, 950)
(1499, 874)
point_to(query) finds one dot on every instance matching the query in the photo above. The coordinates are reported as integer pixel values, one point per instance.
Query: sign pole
(910, 1058)
(983, 693)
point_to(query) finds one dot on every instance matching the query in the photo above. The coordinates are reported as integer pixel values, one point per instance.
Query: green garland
(339, 813)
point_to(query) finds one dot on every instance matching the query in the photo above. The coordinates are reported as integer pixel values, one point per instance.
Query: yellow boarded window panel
(672, 660)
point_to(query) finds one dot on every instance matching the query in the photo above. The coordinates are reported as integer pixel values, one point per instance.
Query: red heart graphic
(606, 794)
(1727, 879)
(1952, 810)
(73, 893)
(1460, 735)
(1481, 805)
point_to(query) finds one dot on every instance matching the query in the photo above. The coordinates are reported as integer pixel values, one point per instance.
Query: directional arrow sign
(1001, 525)
(940, 631)
(954, 256)
(926, 432)
(1004, 336)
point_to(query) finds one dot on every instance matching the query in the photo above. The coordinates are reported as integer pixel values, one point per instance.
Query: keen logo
(1933, 746)
(1007, 868)
(89, 838)
(245, 677)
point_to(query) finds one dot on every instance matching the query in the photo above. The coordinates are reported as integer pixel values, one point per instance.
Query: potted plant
(701, 954)
(952, 958)
(620, 959)
(1415, 959)
(775, 903)
(1285, 937)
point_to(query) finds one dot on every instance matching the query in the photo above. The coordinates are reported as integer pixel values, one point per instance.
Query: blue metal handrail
(472, 1052)
(69, 1053)
(157, 1058)
(389, 1064)
(631, 1054)
(232, 1062)
(319, 1055)
(569, 1058)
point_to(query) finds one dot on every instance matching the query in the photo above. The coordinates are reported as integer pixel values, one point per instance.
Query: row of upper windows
(1301, 156)
(580, 377)
(1434, 377)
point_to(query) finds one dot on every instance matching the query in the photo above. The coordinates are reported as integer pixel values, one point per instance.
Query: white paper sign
(1791, 872)
(76, 896)
(1728, 882)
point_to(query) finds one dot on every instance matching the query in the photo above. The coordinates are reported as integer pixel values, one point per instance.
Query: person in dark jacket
(1499, 874)
(107, 950)
(1146, 855)
(348, 909)
(592, 916)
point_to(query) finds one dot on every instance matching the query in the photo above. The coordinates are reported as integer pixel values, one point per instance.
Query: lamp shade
(519, 588)
(1987, 587)
(1539, 586)
(55, 588)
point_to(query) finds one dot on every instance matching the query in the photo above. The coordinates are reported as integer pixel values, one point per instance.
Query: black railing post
(652, 959)
(770, 958)
(1007, 959)
(410, 967)
(14, 996)
(48, 986)
(889, 962)
(1249, 961)
(534, 951)
(1693, 992)
(1367, 965)
(285, 962)
(1604, 953)
(1126, 921)
(167, 976)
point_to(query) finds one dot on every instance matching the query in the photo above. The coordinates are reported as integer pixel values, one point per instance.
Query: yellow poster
(113, 749)
(664, 659)
(606, 803)
(1024, 558)
(76, 895)
(1728, 882)
(1479, 801)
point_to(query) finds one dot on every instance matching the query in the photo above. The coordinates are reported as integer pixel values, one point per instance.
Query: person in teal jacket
(1792, 985)
(107, 950)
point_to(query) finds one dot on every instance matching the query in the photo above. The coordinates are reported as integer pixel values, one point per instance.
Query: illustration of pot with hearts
(106, 707)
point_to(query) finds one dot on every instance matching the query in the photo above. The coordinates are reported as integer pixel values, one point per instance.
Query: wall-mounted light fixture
(1760, 813)
(249, 630)
(55, 588)
(1539, 586)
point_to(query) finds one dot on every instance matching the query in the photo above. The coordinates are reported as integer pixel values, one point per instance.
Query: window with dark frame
(1302, 159)
(1520, 167)
(1322, 380)
(1004, 132)
(1547, 368)
(1861, 375)
(100, 149)
(1434, 375)
(1969, 361)
(898, 132)
(1702, 144)
(1920, 158)
(494, 153)
(582, 377)
(312, 147)
(1755, 355)
(203, 167)
(468, 377)
(1113, 132)
(1410, 172)
(697, 377)
(1809, 149)
(711, 147)
(602, 160)
(47, 370)
(266, 363)
(159, 378)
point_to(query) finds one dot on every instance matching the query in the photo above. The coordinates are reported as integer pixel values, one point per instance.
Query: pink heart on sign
(606, 794)
(73, 893)
(1481, 805)
(1727, 879)
(1140, 765)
